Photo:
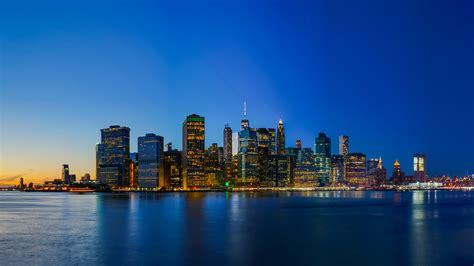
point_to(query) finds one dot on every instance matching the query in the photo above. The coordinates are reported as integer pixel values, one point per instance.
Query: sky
(397, 77)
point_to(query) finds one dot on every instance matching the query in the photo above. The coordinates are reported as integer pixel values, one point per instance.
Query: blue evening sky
(396, 76)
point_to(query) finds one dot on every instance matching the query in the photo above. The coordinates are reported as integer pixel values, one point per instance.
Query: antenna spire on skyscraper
(245, 109)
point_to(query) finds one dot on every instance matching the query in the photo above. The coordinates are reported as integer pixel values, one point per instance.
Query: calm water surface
(336, 228)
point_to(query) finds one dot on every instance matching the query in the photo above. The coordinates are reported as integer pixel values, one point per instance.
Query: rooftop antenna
(245, 109)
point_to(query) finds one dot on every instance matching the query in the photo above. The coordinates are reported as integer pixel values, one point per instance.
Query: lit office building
(248, 157)
(280, 170)
(322, 158)
(150, 159)
(213, 169)
(280, 141)
(356, 169)
(173, 175)
(419, 167)
(235, 144)
(336, 174)
(194, 175)
(227, 144)
(305, 171)
(113, 156)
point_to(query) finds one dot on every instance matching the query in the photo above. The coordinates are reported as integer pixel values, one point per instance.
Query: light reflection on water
(329, 227)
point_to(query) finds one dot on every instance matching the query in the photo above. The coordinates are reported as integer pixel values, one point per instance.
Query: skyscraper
(227, 144)
(397, 176)
(150, 161)
(322, 157)
(419, 167)
(113, 156)
(248, 157)
(173, 175)
(343, 145)
(336, 174)
(65, 174)
(356, 169)
(280, 145)
(194, 175)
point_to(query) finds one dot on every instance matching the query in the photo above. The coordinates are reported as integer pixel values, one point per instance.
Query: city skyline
(76, 68)
(330, 150)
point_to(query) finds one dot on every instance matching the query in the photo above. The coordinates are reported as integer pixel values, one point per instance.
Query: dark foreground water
(313, 228)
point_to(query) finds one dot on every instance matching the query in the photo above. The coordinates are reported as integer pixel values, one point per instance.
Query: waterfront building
(322, 154)
(280, 170)
(213, 169)
(336, 174)
(150, 160)
(305, 170)
(356, 169)
(86, 178)
(194, 175)
(380, 174)
(372, 170)
(173, 175)
(280, 141)
(66, 178)
(134, 169)
(398, 175)
(419, 167)
(113, 156)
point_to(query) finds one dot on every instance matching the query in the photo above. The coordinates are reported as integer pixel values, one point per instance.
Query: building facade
(356, 169)
(322, 154)
(419, 167)
(194, 174)
(150, 161)
(113, 156)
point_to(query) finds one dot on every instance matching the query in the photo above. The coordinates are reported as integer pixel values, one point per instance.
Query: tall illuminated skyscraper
(343, 145)
(280, 144)
(227, 144)
(248, 156)
(419, 167)
(113, 156)
(150, 161)
(194, 175)
(322, 154)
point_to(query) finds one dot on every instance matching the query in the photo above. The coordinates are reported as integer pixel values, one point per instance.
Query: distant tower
(227, 143)
(419, 167)
(244, 124)
(343, 145)
(397, 176)
(280, 138)
(193, 152)
(65, 176)
(298, 144)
